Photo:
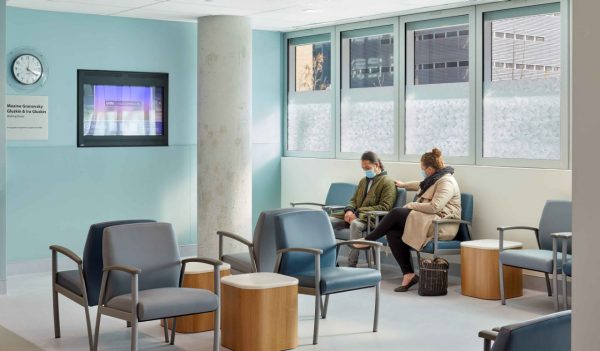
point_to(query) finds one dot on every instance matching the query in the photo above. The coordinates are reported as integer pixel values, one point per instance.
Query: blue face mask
(370, 174)
(423, 174)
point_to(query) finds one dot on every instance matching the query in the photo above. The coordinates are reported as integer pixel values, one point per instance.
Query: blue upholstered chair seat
(239, 261)
(442, 245)
(568, 268)
(167, 302)
(337, 279)
(70, 281)
(537, 260)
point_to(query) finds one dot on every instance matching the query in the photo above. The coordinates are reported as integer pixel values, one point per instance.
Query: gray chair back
(339, 194)
(548, 333)
(556, 218)
(265, 250)
(150, 247)
(305, 229)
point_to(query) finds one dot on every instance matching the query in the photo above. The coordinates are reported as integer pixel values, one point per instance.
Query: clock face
(27, 69)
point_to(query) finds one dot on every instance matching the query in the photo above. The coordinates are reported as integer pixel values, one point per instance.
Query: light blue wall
(56, 190)
(266, 127)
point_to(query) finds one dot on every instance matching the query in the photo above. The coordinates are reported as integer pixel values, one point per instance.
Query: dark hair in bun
(433, 159)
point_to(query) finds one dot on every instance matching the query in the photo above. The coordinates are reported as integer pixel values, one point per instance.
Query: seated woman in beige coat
(411, 226)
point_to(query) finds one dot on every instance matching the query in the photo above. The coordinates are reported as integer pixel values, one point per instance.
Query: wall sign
(26, 117)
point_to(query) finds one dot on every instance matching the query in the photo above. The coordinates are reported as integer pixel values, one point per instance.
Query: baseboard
(45, 265)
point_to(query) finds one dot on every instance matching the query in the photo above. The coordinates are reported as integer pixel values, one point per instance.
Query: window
(522, 98)
(309, 108)
(437, 98)
(367, 115)
(312, 66)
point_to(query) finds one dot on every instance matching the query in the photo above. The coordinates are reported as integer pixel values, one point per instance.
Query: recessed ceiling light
(310, 10)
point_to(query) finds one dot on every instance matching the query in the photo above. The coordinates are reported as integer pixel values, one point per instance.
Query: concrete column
(586, 126)
(224, 130)
(2, 148)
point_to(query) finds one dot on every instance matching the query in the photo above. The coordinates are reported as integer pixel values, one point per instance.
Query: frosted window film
(309, 123)
(522, 119)
(368, 120)
(437, 115)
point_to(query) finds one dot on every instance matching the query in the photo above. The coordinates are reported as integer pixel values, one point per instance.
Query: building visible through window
(441, 55)
(526, 47)
(372, 61)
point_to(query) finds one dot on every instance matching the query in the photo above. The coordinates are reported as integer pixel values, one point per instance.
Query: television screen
(122, 108)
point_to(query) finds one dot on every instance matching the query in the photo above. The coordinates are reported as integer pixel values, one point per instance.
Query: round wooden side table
(200, 276)
(259, 312)
(479, 270)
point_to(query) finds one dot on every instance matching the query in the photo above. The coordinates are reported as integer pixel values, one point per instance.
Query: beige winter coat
(441, 200)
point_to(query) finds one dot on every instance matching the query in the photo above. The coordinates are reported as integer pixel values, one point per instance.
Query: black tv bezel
(97, 77)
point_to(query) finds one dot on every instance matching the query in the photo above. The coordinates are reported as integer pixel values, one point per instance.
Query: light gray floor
(408, 321)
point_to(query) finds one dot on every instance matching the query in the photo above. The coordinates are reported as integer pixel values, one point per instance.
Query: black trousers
(392, 226)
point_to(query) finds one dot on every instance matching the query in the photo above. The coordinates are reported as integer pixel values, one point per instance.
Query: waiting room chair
(307, 251)
(81, 285)
(567, 263)
(261, 250)
(556, 218)
(548, 333)
(344, 233)
(142, 280)
(438, 247)
(338, 197)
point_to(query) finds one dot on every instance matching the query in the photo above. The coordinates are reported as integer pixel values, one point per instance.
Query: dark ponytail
(373, 158)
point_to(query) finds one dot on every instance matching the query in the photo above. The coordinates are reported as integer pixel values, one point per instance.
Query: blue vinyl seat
(556, 218)
(82, 285)
(548, 333)
(307, 250)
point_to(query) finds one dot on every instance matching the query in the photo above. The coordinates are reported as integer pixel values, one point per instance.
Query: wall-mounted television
(122, 108)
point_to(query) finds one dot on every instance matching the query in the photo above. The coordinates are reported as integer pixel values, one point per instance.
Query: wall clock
(28, 69)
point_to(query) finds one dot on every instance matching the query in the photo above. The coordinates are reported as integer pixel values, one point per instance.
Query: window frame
(525, 8)
(365, 27)
(443, 18)
(476, 75)
(308, 34)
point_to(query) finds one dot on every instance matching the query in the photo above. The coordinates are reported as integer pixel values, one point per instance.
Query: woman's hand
(399, 184)
(349, 216)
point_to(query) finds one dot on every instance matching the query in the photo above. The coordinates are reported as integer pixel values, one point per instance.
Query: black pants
(392, 226)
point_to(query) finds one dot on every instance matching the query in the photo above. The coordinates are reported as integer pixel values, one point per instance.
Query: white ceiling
(283, 15)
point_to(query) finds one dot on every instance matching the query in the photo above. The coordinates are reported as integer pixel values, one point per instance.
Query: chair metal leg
(487, 345)
(555, 289)
(134, 335)
(565, 292)
(166, 329)
(173, 327)
(548, 286)
(56, 314)
(376, 317)
(317, 316)
(217, 329)
(324, 311)
(89, 327)
(501, 273)
(97, 332)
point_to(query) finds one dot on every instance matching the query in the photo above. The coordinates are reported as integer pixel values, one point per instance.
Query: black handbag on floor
(433, 280)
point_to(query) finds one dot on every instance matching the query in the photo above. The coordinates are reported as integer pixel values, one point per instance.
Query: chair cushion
(342, 234)
(337, 279)
(69, 280)
(537, 260)
(167, 302)
(568, 268)
(239, 262)
(442, 245)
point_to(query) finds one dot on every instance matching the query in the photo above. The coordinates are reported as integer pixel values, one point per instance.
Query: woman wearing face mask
(375, 192)
(411, 226)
